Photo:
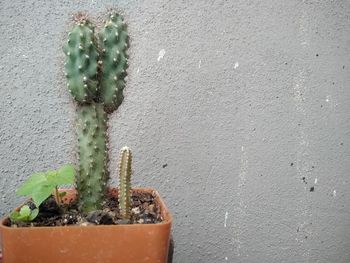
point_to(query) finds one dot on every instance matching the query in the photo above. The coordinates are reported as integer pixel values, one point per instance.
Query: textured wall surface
(237, 111)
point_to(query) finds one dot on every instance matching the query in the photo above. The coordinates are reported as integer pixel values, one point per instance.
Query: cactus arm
(81, 62)
(113, 41)
(125, 183)
(92, 154)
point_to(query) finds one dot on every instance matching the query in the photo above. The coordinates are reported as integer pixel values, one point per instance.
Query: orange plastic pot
(89, 244)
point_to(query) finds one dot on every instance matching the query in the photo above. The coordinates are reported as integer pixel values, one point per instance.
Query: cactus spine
(90, 66)
(125, 183)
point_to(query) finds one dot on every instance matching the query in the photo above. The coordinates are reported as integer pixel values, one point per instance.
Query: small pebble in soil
(135, 210)
(99, 217)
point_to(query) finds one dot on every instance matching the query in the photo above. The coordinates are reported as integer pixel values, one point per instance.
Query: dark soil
(144, 211)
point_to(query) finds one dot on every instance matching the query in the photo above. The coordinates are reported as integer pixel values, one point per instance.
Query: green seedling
(25, 214)
(41, 186)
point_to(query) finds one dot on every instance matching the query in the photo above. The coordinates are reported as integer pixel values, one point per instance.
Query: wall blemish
(226, 216)
(161, 54)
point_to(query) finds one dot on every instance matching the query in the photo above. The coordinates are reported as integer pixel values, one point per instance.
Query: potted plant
(91, 223)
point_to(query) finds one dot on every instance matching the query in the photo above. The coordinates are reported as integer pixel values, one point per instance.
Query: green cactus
(96, 79)
(113, 43)
(124, 194)
(92, 155)
(81, 62)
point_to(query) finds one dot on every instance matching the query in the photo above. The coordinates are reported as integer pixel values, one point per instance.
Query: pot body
(89, 244)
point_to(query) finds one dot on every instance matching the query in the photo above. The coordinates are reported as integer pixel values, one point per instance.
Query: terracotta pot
(105, 243)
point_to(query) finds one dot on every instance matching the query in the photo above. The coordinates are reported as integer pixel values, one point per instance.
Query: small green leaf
(51, 178)
(34, 214)
(14, 215)
(41, 194)
(25, 211)
(65, 175)
(31, 183)
(24, 214)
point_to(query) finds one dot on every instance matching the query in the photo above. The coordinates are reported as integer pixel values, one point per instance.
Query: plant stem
(92, 176)
(58, 198)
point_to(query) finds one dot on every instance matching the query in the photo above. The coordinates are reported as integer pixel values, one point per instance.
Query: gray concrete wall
(235, 111)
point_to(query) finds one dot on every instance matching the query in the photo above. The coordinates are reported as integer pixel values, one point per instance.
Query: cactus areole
(95, 70)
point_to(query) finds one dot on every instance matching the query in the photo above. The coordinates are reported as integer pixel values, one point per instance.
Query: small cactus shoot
(124, 194)
(95, 72)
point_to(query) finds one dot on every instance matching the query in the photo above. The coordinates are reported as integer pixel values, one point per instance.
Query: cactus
(124, 194)
(95, 74)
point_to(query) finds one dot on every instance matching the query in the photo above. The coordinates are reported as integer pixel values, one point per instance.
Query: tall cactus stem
(92, 148)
